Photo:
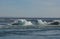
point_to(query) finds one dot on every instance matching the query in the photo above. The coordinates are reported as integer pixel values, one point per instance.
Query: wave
(21, 23)
(30, 32)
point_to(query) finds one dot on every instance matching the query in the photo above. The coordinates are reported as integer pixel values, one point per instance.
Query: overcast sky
(29, 8)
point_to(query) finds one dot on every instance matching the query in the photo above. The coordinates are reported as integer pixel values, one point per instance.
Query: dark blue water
(49, 33)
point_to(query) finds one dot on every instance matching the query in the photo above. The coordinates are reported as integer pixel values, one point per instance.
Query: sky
(29, 8)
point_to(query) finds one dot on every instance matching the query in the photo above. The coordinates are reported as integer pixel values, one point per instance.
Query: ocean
(42, 33)
(49, 33)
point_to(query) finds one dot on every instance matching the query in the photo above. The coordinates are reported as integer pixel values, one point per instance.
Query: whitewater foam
(41, 22)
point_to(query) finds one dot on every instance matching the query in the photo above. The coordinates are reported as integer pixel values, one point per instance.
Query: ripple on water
(30, 32)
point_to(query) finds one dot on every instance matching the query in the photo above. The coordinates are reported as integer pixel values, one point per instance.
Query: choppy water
(42, 33)
(49, 33)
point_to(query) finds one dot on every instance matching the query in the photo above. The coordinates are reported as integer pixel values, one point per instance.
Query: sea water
(49, 33)
(41, 33)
